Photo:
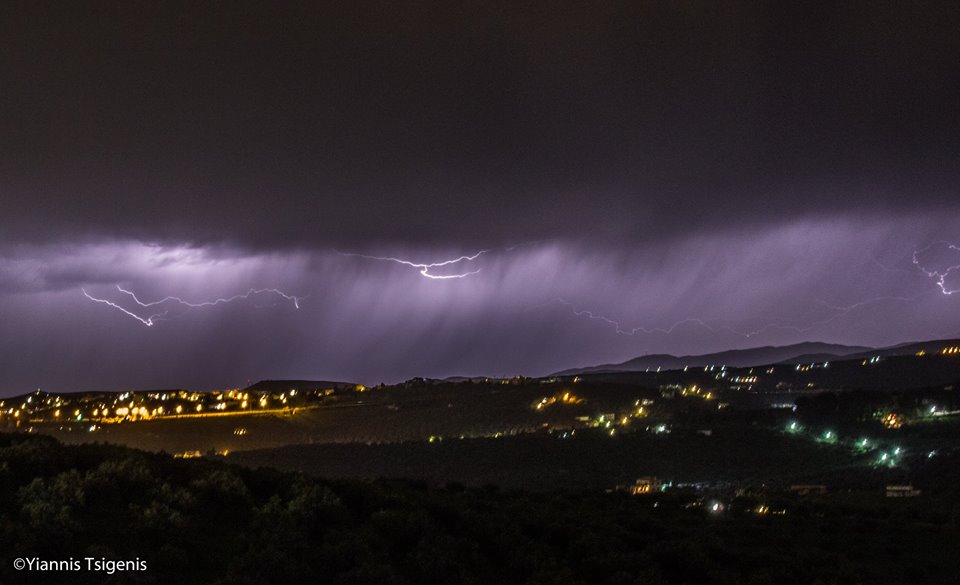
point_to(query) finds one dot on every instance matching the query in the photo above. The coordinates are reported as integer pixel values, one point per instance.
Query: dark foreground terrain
(204, 521)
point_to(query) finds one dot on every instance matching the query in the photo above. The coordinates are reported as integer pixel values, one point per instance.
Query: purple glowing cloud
(847, 281)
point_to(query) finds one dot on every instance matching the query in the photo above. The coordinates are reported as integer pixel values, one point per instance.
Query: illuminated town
(277, 413)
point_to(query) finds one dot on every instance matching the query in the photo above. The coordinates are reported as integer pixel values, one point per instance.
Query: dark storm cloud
(640, 177)
(332, 124)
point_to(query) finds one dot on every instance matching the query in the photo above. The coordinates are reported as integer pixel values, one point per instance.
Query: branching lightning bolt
(150, 320)
(635, 330)
(940, 277)
(621, 330)
(252, 291)
(425, 267)
(840, 312)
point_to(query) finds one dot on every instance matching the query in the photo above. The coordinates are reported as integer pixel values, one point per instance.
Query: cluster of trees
(203, 521)
(589, 460)
(860, 406)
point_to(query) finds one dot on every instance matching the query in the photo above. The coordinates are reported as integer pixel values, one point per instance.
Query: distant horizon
(369, 383)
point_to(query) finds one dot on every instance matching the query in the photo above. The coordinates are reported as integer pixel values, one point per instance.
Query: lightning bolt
(940, 277)
(150, 320)
(635, 330)
(622, 330)
(425, 267)
(252, 291)
(840, 312)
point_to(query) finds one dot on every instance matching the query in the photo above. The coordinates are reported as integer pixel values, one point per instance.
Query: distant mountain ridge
(806, 352)
(754, 356)
(299, 385)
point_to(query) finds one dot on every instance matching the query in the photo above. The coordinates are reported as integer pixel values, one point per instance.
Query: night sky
(618, 178)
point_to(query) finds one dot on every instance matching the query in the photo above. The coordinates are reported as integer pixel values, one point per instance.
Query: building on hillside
(902, 491)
